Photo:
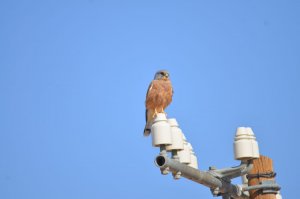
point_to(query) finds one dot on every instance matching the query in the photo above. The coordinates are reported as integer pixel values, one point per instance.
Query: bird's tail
(149, 121)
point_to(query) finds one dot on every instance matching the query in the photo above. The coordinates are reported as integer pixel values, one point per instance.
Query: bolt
(165, 171)
(177, 175)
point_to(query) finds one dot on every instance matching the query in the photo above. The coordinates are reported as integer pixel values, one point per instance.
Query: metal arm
(233, 172)
(206, 178)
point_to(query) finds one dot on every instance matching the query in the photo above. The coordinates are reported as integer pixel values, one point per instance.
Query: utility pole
(262, 173)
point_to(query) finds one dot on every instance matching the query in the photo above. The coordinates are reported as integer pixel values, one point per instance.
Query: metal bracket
(227, 174)
(267, 186)
(271, 183)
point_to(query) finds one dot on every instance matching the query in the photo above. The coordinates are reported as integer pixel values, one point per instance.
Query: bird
(159, 96)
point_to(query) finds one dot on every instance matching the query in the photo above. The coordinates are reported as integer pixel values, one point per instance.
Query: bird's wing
(149, 89)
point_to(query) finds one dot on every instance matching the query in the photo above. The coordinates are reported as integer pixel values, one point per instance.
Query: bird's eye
(162, 73)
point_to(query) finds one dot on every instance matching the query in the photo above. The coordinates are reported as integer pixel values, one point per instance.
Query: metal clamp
(262, 175)
(267, 187)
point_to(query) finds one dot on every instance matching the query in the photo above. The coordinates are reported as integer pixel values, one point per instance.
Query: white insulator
(185, 154)
(254, 143)
(177, 136)
(245, 144)
(190, 146)
(161, 131)
(278, 195)
(184, 138)
(194, 160)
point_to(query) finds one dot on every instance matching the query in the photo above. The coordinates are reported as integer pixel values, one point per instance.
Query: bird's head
(161, 75)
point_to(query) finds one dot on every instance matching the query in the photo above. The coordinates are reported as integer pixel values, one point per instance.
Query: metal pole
(202, 177)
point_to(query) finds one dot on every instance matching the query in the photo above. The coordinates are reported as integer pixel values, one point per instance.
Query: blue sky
(73, 79)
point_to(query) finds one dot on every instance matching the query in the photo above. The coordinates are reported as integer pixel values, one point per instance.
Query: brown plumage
(158, 97)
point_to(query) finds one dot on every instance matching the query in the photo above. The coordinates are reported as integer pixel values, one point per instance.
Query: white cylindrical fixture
(190, 146)
(278, 195)
(254, 143)
(245, 144)
(177, 136)
(185, 154)
(194, 161)
(161, 131)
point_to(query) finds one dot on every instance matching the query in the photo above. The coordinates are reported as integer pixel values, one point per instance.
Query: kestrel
(158, 97)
